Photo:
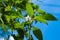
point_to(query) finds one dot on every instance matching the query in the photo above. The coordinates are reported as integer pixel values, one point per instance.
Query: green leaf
(18, 1)
(40, 19)
(20, 33)
(19, 15)
(40, 11)
(34, 6)
(6, 0)
(18, 25)
(26, 23)
(14, 14)
(0, 0)
(29, 9)
(28, 36)
(8, 8)
(49, 17)
(7, 18)
(1, 5)
(3, 27)
(37, 32)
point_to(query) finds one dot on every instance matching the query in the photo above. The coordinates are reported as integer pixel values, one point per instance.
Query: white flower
(28, 18)
(11, 38)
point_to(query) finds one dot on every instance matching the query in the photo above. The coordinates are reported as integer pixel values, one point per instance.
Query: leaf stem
(2, 21)
(29, 32)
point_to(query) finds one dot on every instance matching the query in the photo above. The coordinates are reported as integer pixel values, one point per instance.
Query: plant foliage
(11, 9)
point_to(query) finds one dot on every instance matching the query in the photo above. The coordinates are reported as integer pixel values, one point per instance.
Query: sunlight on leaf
(3, 27)
(8, 8)
(29, 9)
(40, 19)
(18, 25)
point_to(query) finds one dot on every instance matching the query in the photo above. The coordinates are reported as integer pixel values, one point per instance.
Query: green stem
(2, 21)
(29, 32)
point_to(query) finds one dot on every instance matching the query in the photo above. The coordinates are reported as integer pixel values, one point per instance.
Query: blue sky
(51, 31)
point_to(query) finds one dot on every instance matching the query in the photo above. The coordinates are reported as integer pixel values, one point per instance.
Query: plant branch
(2, 21)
